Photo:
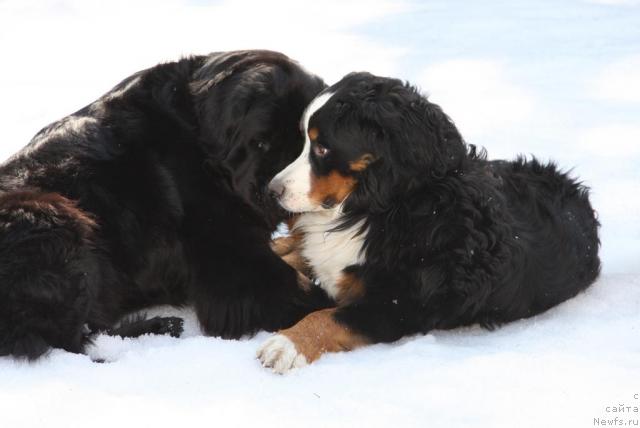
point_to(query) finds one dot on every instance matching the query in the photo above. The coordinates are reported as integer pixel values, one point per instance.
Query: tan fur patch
(289, 248)
(313, 134)
(291, 221)
(285, 245)
(54, 202)
(335, 186)
(350, 289)
(304, 283)
(362, 163)
(296, 260)
(319, 332)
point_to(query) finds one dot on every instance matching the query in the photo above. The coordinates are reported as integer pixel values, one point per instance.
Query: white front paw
(280, 354)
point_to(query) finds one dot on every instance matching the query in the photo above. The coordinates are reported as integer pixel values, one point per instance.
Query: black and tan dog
(156, 193)
(409, 229)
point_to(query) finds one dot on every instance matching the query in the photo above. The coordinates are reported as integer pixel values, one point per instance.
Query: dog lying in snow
(409, 229)
(156, 193)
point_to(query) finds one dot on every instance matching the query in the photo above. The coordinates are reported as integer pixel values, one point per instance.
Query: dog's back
(557, 227)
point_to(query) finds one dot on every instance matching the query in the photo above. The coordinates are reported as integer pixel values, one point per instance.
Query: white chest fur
(329, 252)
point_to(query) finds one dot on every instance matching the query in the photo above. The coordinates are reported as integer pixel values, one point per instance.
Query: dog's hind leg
(47, 274)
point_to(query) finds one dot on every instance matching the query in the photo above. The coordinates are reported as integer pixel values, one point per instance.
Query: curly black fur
(155, 194)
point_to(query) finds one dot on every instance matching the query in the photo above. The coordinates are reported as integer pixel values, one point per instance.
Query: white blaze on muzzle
(293, 184)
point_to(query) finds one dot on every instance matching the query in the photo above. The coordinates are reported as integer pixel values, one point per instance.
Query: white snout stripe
(296, 178)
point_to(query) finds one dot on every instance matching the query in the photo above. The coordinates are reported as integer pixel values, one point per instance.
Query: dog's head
(248, 105)
(368, 140)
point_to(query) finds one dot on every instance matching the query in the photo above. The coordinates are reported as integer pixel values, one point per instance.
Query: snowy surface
(560, 80)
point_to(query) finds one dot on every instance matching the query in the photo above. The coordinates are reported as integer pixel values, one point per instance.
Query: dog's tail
(47, 270)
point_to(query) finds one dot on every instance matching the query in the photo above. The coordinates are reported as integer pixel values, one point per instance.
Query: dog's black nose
(276, 188)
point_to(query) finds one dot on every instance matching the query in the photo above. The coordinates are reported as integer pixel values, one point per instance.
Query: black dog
(155, 194)
(409, 229)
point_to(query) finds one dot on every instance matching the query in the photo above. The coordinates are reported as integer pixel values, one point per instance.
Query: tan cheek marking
(362, 163)
(350, 288)
(313, 133)
(319, 333)
(335, 186)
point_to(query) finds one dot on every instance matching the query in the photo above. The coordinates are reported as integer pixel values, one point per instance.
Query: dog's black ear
(374, 191)
(409, 132)
(418, 145)
(415, 143)
(249, 78)
(436, 147)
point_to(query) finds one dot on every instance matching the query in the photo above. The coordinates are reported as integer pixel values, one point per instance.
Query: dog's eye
(320, 151)
(263, 146)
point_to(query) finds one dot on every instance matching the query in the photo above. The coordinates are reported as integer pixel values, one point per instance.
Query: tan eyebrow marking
(362, 163)
(313, 133)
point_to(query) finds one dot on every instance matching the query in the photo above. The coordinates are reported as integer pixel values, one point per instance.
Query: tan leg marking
(298, 262)
(284, 245)
(350, 289)
(319, 332)
(289, 248)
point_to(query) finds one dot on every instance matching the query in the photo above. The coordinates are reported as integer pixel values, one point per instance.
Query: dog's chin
(296, 208)
(288, 207)
(279, 210)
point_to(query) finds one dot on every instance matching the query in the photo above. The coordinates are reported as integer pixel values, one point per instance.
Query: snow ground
(557, 79)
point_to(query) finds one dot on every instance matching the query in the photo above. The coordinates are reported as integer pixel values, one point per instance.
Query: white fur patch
(296, 178)
(329, 253)
(280, 354)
